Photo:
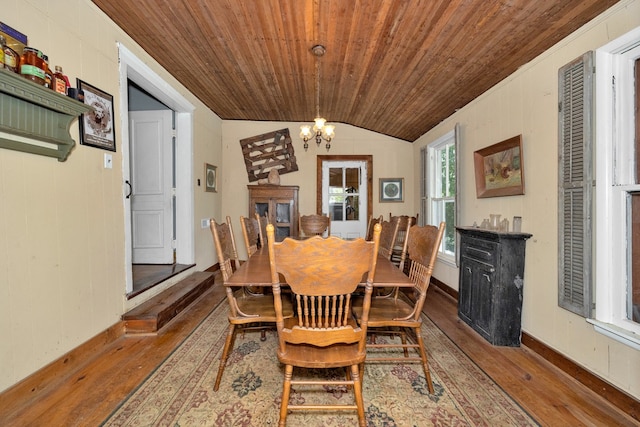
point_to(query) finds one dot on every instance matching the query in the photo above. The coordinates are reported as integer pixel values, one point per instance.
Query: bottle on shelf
(60, 81)
(48, 75)
(3, 42)
(11, 59)
(32, 66)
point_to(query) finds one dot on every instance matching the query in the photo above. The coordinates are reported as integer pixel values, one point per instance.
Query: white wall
(62, 271)
(526, 103)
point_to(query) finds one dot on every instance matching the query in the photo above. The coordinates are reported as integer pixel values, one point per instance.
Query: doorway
(344, 190)
(132, 69)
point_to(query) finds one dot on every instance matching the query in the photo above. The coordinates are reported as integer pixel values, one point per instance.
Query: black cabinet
(491, 283)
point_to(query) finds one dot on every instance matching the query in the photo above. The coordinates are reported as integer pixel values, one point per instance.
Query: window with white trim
(439, 190)
(617, 149)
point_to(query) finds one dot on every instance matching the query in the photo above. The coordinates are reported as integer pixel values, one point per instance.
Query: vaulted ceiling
(397, 67)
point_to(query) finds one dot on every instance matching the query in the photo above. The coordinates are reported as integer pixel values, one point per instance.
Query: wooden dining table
(256, 271)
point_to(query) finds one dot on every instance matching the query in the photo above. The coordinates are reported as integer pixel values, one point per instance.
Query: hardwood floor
(88, 397)
(146, 276)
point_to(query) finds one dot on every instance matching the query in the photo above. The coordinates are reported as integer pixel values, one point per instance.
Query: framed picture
(499, 169)
(210, 178)
(392, 189)
(97, 126)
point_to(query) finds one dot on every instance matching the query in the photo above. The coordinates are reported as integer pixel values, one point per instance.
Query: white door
(344, 197)
(151, 186)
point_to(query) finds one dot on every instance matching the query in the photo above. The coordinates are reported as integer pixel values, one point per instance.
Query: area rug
(180, 392)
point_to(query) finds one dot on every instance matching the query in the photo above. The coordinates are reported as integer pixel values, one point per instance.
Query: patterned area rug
(180, 392)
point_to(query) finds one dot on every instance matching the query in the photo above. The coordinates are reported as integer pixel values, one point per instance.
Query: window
(617, 277)
(439, 189)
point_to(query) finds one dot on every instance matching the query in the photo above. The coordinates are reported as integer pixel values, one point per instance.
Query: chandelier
(321, 130)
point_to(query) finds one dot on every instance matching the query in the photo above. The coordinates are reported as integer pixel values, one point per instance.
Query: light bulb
(319, 124)
(305, 132)
(328, 132)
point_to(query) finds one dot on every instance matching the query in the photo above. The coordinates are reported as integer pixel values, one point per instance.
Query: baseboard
(51, 376)
(613, 395)
(215, 267)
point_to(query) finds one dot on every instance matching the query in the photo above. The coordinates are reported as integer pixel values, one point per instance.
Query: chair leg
(225, 354)
(286, 390)
(403, 338)
(357, 390)
(425, 360)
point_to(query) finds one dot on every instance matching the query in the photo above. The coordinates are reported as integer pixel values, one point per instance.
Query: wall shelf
(35, 119)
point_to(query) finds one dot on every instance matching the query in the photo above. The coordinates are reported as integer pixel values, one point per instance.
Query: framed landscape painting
(499, 169)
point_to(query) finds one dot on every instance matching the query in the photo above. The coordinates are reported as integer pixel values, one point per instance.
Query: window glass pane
(451, 171)
(637, 108)
(336, 207)
(352, 176)
(442, 173)
(335, 180)
(262, 209)
(635, 212)
(351, 208)
(634, 313)
(449, 237)
(282, 212)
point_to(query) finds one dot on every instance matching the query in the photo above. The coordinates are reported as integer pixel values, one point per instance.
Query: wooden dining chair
(251, 234)
(388, 251)
(314, 225)
(388, 237)
(406, 222)
(262, 228)
(396, 313)
(246, 310)
(372, 222)
(322, 274)
(416, 217)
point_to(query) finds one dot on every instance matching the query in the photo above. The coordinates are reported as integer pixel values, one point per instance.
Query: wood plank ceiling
(397, 67)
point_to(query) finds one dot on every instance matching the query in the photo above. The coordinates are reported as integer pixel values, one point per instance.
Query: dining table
(256, 271)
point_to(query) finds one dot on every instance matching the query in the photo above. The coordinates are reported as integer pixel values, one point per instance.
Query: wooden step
(152, 315)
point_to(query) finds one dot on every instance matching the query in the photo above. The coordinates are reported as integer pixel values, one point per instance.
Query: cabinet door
(475, 298)
(482, 297)
(464, 293)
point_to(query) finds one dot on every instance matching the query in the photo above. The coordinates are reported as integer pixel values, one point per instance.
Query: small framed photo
(391, 189)
(499, 169)
(97, 126)
(210, 178)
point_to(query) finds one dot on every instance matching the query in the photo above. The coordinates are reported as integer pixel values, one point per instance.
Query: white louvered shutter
(575, 185)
